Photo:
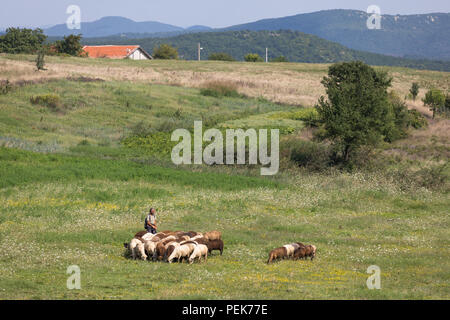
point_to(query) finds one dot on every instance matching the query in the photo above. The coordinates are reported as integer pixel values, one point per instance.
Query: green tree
(253, 57)
(17, 40)
(435, 100)
(357, 110)
(220, 56)
(165, 51)
(414, 90)
(71, 45)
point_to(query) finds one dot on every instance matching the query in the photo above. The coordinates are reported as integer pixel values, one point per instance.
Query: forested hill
(417, 35)
(294, 45)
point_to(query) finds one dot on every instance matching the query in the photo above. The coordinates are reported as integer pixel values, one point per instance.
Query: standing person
(150, 221)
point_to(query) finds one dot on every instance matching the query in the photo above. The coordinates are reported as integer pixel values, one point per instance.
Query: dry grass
(431, 144)
(289, 83)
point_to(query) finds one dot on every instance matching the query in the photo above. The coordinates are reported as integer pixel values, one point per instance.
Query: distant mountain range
(109, 26)
(413, 36)
(296, 46)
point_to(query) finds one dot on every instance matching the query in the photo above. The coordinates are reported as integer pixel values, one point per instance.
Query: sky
(184, 13)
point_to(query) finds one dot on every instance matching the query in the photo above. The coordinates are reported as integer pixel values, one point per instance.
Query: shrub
(5, 87)
(40, 62)
(221, 56)
(416, 120)
(280, 59)
(165, 51)
(309, 115)
(52, 101)
(220, 89)
(308, 154)
(253, 57)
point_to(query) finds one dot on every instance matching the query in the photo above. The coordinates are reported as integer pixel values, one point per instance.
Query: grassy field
(71, 191)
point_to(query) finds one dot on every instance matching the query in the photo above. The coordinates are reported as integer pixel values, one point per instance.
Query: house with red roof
(117, 52)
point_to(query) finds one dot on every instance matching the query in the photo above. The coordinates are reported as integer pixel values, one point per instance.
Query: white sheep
(290, 249)
(137, 249)
(200, 251)
(140, 251)
(184, 250)
(150, 247)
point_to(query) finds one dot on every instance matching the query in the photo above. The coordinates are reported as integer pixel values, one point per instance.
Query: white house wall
(138, 55)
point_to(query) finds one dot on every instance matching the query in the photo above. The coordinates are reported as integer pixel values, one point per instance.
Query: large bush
(165, 51)
(253, 57)
(309, 154)
(220, 56)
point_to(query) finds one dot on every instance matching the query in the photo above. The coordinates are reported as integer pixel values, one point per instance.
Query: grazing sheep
(140, 251)
(161, 248)
(290, 249)
(215, 245)
(150, 247)
(278, 253)
(310, 251)
(183, 251)
(136, 248)
(300, 253)
(171, 246)
(200, 251)
(303, 252)
(213, 235)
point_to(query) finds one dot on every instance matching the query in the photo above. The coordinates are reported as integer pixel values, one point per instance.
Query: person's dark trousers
(151, 230)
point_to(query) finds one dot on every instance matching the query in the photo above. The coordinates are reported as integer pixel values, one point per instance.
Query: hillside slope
(420, 35)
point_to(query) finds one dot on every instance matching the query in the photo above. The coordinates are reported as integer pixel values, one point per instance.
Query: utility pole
(267, 55)
(199, 51)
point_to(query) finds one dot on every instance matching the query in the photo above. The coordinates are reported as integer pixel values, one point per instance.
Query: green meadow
(79, 172)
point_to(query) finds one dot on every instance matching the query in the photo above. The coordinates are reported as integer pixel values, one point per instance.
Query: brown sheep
(310, 251)
(161, 248)
(201, 240)
(213, 235)
(278, 253)
(300, 253)
(214, 245)
(140, 234)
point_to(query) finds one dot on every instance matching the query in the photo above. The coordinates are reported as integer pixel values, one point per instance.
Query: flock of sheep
(173, 246)
(170, 246)
(296, 250)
